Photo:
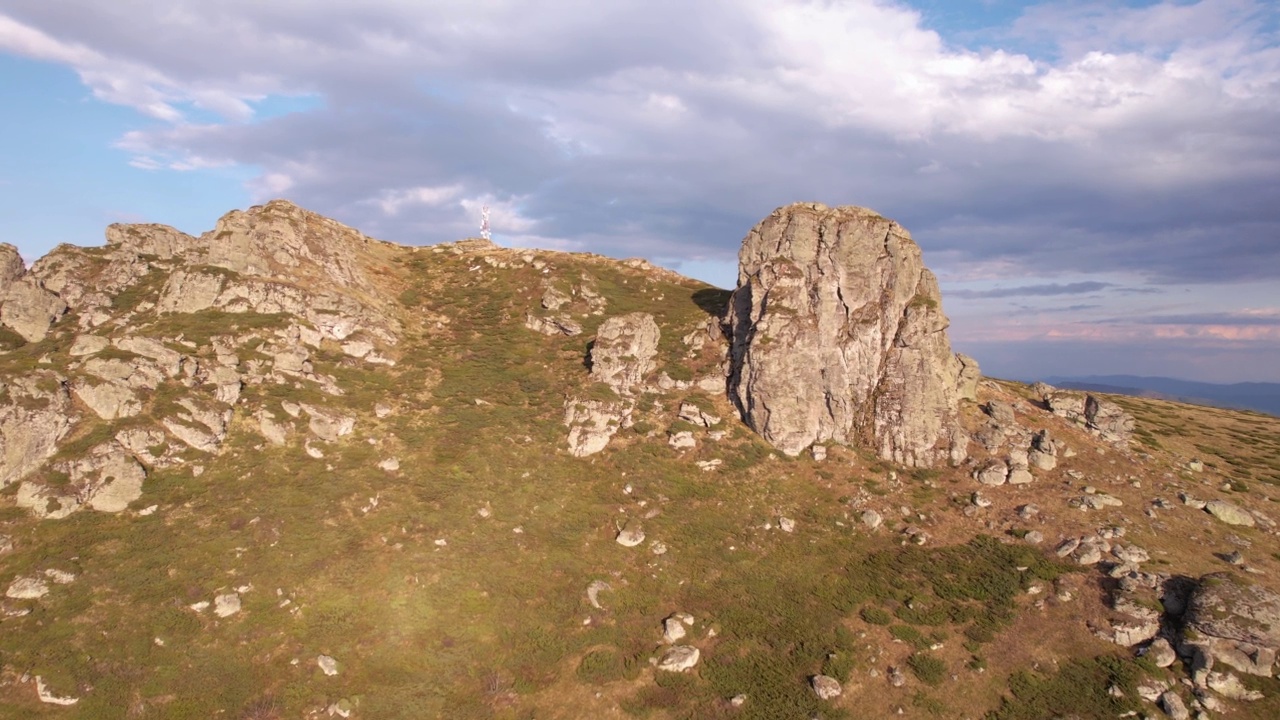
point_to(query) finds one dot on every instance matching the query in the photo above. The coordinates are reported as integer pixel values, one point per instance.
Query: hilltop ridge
(282, 469)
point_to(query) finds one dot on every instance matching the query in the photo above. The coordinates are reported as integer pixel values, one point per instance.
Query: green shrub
(930, 669)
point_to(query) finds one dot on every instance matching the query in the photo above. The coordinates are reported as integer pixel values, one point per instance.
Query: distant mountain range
(1260, 396)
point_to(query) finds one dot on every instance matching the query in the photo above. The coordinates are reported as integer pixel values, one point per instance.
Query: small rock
(60, 577)
(871, 519)
(1028, 511)
(979, 500)
(738, 700)
(819, 452)
(786, 524)
(328, 665)
(896, 678)
(630, 536)
(679, 658)
(658, 548)
(47, 696)
(390, 464)
(1066, 547)
(1196, 466)
(1034, 537)
(382, 410)
(673, 630)
(825, 686)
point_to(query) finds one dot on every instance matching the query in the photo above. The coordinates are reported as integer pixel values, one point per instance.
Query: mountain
(286, 470)
(1260, 396)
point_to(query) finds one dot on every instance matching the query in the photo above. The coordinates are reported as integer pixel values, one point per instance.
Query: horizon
(1093, 183)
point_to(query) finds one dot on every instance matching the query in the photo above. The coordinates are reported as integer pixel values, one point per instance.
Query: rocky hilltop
(283, 469)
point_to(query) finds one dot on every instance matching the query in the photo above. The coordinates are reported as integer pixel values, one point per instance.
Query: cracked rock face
(838, 335)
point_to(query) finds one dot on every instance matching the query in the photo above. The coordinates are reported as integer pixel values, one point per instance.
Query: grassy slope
(495, 621)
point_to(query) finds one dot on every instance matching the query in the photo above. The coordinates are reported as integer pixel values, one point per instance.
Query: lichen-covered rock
(838, 334)
(35, 414)
(11, 266)
(553, 325)
(1229, 513)
(624, 350)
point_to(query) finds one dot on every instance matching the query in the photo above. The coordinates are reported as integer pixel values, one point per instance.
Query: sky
(1096, 184)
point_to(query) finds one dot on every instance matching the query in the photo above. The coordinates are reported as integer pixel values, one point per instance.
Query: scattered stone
(27, 588)
(1066, 547)
(60, 577)
(979, 500)
(679, 658)
(1196, 465)
(630, 536)
(825, 687)
(871, 519)
(382, 410)
(226, 605)
(819, 452)
(553, 325)
(658, 548)
(328, 665)
(896, 677)
(390, 464)
(738, 700)
(1034, 537)
(1088, 554)
(1028, 511)
(786, 524)
(1020, 476)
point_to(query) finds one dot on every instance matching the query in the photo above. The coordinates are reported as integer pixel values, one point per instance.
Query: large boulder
(838, 335)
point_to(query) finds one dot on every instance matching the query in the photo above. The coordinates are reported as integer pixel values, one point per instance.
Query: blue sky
(1095, 183)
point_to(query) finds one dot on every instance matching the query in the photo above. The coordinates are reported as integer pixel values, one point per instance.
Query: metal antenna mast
(484, 222)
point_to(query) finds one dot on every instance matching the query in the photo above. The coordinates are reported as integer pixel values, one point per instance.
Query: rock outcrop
(838, 335)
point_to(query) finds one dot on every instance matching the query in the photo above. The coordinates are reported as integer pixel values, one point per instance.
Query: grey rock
(1034, 537)
(1230, 687)
(1020, 476)
(838, 335)
(673, 630)
(1001, 413)
(593, 592)
(88, 345)
(871, 519)
(682, 440)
